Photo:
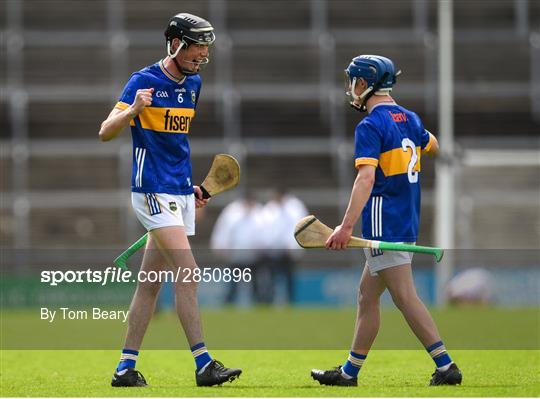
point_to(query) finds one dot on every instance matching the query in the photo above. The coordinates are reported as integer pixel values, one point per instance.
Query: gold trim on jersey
(396, 161)
(121, 105)
(365, 161)
(429, 144)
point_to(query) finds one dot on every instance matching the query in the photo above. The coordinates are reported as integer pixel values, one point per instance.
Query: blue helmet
(378, 72)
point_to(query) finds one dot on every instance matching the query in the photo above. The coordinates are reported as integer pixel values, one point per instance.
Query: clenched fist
(143, 98)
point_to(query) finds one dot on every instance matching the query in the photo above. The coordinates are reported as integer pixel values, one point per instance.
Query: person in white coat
(280, 216)
(236, 238)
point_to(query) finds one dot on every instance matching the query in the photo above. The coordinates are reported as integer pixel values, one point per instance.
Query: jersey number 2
(407, 144)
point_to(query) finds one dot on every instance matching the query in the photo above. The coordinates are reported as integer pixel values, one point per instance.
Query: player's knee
(186, 286)
(403, 298)
(150, 288)
(367, 300)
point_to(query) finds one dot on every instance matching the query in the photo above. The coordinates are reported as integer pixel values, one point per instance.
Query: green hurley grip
(122, 259)
(394, 246)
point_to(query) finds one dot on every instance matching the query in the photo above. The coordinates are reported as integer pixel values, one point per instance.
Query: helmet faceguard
(188, 29)
(377, 71)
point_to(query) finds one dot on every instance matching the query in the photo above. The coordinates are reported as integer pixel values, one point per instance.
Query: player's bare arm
(120, 119)
(361, 191)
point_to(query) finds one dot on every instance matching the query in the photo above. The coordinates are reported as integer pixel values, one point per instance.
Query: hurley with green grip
(121, 260)
(395, 246)
(310, 232)
(224, 174)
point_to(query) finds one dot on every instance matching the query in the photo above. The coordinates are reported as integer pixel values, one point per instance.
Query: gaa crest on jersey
(172, 206)
(193, 96)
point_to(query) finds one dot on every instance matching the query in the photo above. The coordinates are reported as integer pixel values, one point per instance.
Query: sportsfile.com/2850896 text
(179, 275)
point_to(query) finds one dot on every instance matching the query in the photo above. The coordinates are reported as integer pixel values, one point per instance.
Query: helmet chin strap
(366, 94)
(173, 56)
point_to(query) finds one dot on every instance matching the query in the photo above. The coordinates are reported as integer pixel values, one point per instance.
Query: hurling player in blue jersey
(389, 143)
(159, 102)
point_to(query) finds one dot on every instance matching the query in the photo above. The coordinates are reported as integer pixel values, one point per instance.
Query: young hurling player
(389, 142)
(159, 102)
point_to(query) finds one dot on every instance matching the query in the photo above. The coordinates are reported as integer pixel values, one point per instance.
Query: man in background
(236, 238)
(280, 215)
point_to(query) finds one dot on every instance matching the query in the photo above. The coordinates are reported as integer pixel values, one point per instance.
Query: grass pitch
(267, 373)
(268, 345)
(279, 328)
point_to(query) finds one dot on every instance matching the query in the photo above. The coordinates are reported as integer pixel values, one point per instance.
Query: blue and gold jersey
(392, 139)
(161, 153)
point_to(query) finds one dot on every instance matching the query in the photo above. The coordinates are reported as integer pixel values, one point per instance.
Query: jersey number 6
(407, 144)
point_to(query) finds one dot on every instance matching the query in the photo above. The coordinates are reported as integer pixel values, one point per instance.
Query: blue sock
(352, 366)
(440, 356)
(201, 355)
(128, 358)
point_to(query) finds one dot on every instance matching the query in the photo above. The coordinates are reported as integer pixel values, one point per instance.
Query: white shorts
(155, 210)
(378, 260)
